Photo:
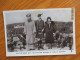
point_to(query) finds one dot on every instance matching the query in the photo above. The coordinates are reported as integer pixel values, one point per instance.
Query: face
(49, 21)
(39, 17)
(28, 17)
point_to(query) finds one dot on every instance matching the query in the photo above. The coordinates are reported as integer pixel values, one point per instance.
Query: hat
(28, 15)
(39, 15)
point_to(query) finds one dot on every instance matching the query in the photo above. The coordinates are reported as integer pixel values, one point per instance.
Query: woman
(49, 29)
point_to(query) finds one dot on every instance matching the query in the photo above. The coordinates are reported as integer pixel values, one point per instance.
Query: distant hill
(18, 28)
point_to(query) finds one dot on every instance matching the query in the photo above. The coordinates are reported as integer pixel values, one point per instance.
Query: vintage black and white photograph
(40, 32)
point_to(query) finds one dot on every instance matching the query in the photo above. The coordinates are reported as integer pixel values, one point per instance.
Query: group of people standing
(39, 29)
(36, 29)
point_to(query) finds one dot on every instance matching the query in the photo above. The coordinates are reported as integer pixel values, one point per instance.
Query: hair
(52, 22)
(48, 18)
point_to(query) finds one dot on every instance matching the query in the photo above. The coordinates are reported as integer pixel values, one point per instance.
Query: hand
(42, 30)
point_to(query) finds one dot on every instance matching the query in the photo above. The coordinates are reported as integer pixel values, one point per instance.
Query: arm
(25, 28)
(34, 28)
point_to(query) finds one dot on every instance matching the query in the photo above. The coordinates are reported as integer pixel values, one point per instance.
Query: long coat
(49, 29)
(29, 29)
(39, 27)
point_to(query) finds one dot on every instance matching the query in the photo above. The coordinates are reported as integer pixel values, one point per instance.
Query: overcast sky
(20, 15)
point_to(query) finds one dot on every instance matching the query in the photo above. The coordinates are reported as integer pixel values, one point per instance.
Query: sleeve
(44, 27)
(42, 24)
(54, 28)
(25, 28)
(34, 27)
(53, 24)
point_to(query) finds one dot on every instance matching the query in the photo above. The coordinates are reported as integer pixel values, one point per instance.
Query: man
(29, 29)
(39, 28)
(70, 42)
(60, 40)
